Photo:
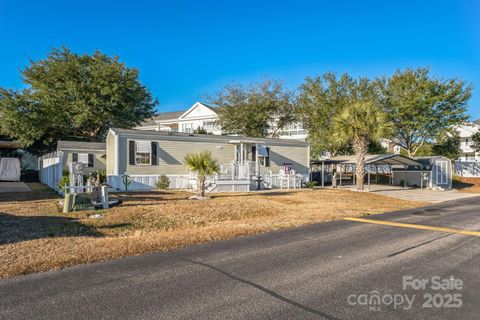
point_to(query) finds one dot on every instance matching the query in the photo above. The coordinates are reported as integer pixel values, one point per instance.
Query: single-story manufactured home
(245, 163)
(91, 154)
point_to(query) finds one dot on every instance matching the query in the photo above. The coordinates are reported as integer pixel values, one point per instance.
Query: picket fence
(50, 170)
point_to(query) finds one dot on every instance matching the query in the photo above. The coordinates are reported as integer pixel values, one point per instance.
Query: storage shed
(434, 172)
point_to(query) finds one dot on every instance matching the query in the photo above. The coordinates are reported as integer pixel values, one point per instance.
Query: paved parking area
(13, 187)
(420, 195)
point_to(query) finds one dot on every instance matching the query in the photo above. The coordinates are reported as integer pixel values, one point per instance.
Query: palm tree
(358, 124)
(204, 164)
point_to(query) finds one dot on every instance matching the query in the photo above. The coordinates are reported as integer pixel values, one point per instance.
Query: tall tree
(259, 110)
(447, 144)
(358, 124)
(322, 98)
(476, 141)
(421, 106)
(72, 96)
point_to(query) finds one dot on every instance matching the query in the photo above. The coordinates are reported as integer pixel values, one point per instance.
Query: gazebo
(371, 162)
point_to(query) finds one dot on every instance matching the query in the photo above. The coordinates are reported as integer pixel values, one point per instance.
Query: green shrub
(310, 184)
(163, 182)
(64, 180)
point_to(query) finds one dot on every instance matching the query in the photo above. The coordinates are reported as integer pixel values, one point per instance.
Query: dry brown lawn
(36, 236)
(470, 185)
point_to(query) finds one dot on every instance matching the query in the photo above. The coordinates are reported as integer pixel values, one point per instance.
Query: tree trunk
(201, 185)
(360, 146)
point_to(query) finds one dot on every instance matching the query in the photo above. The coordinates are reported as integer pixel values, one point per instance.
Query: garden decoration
(126, 180)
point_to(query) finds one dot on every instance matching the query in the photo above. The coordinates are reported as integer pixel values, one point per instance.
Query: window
(83, 157)
(187, 127)
(142, 152)
(265, 156)
(208, 126)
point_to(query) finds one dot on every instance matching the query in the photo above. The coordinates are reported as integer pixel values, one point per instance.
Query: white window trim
(150, 153)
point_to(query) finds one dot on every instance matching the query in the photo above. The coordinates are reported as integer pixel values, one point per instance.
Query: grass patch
(36, 236)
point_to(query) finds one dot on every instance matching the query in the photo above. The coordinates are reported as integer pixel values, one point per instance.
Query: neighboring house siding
(99, 162)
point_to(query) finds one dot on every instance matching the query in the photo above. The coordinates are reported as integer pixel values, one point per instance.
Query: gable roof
(80, 145)
(195, 105)
(172, 115)
(165, 135)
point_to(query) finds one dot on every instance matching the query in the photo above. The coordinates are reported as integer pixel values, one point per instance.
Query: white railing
(276, 181)
(234, 171)
(50, 170)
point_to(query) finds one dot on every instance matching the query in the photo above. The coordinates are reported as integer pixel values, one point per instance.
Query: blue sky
(187, 49)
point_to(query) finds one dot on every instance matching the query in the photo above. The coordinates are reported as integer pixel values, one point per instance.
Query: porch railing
(238, 171)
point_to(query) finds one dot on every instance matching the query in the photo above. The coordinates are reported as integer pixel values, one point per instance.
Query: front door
(442, 169)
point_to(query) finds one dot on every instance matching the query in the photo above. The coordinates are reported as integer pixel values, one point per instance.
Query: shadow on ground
(459, 185)
(15, 229)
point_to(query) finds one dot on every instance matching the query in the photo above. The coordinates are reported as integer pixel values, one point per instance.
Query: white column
(257, 169)
(241, 152)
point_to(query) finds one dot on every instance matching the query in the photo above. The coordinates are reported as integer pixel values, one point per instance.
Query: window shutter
(74, 157)
(90, 160)
(131, 152)
(254, 153)
(267, 159)
(154, 158)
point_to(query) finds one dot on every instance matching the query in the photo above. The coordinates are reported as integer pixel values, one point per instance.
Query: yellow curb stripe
(415, 226)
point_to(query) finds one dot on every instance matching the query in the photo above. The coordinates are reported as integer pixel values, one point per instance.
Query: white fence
(468, 169)
(50, 170)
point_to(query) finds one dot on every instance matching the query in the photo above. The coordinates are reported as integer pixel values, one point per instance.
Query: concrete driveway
(420, 195)
(13, 187)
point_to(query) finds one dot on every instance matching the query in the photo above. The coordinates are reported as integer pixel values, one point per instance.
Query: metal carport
(370, 160)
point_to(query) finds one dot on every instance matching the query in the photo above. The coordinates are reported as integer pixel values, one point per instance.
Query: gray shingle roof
(203, 137)
(162, 117)
(80, 145)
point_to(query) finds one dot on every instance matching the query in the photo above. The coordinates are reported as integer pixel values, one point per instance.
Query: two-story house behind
(201, 115)
(467, 153)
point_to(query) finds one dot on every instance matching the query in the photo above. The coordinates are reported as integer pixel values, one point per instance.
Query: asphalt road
(338, 270)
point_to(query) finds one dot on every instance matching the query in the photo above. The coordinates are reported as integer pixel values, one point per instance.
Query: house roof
(81, 145)
(207, 137)
(162, 117)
